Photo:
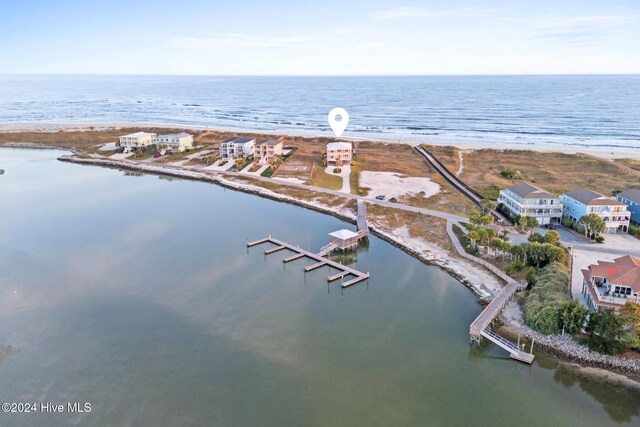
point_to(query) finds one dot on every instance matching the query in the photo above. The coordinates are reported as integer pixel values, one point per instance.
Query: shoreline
(605, 152)
(461, 270)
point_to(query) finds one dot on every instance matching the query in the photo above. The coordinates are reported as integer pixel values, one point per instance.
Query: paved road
(438, 214)
(595, 247)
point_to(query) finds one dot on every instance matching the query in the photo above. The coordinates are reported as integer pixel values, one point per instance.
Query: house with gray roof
(526, 200)
(580, 202)
(240, 146)
(631, 198)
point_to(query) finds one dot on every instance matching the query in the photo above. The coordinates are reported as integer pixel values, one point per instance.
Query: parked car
(155, 156)
(393, 200)
(552, 226)
(120, 150)
(380, 197)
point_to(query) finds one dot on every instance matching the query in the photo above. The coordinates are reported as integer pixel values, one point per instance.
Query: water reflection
(115, 294)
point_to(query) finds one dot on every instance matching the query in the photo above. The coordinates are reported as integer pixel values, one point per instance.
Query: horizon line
(320, 75)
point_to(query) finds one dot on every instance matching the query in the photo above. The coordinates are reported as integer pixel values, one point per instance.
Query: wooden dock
(481, 326)
(363, 228)
(343, 270)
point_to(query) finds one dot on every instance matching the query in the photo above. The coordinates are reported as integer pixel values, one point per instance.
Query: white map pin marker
(338, 126)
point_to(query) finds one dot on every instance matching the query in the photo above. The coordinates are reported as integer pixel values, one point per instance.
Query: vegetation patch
(543, 305)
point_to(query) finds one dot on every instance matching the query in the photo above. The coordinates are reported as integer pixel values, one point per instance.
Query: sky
(302, 37)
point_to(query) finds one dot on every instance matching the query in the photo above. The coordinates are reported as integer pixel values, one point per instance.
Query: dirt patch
(394, 185)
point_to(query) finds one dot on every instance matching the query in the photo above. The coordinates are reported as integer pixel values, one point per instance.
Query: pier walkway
(320, 261)
(481, 326)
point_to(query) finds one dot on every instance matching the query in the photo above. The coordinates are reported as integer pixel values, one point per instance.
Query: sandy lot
(392, 184)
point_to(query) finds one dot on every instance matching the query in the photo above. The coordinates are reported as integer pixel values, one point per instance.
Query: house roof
(592, 198)
(270, 142)
(527, 191)
(175, 135)
(623, 271)
(632, 194)
(137, 134)
(239, 139)
(338, 145)
(343, 234)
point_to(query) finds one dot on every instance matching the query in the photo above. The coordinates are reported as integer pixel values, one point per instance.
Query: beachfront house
(580, 202)
(631, 198)
(339, 153)
(240, 146)
(526, 200)
(267, 150)
(137, 140)
(612, 284)
(175, 141)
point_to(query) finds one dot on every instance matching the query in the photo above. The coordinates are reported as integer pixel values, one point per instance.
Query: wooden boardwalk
(321, 261)
(461, 186)
(481, 326)
(363, 228)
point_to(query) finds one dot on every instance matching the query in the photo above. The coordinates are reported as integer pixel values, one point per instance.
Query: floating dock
(321, 261)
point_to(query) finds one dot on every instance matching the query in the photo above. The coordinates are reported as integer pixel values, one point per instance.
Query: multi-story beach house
(267, 150)
(137, 140)
(240, 146)
(580, 202)
(631, 198)
(175, 141)
(339, 153)
(526, 200)
(612, 284)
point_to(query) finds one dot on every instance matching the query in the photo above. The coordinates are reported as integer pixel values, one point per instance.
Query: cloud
(582, 30)
(421, 12)
(237, 40)
(582, 22)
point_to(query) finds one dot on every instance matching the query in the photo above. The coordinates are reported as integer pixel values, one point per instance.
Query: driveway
(345, 172)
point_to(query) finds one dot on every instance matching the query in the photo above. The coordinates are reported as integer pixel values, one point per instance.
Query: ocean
(561, 111)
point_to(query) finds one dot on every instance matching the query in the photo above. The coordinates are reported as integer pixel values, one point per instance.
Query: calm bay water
(137, 294)
(576, 111)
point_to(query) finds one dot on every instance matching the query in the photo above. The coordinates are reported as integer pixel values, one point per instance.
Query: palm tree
(474, 236)
(593, 224)
(517, 251)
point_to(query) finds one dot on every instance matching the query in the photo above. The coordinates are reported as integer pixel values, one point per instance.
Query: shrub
(634, 230)
(566, 222)
(578, 227)
(514, 267)
(572, 317)
(545, 303)
(531, 277)
(606, 332)
(509, 174)
(536, 237)
(599, 239)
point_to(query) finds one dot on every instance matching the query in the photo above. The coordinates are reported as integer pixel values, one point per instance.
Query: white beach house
(339, 153)
(612, 284)
(137, 140)
(240, 146)
(175, 141)
(267, 150)
(580, 202)
(526, 200)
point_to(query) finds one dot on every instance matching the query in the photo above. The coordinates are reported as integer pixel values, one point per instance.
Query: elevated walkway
(480, 327)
